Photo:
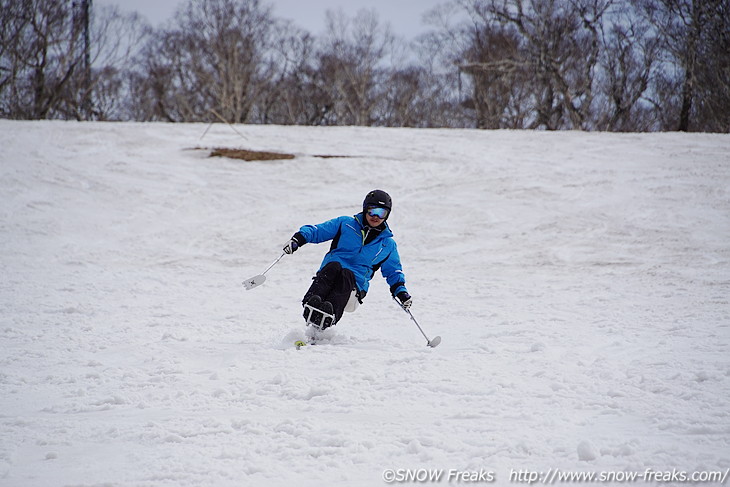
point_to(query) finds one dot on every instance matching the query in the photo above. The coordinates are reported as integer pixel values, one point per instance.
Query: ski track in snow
(579, 281)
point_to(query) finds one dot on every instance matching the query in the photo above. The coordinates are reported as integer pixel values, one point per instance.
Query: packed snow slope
(579, 281)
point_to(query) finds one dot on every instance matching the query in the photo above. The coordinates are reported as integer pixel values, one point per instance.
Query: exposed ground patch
(249, 155)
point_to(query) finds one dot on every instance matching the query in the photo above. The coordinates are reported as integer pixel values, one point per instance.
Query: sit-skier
(361, 244)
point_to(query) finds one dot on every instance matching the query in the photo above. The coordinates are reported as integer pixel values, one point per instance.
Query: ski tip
(435, 342)
(299, 344)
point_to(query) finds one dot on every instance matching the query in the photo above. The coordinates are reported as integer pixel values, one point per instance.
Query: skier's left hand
(405, 299)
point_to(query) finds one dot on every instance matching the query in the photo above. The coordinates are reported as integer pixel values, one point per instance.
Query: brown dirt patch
(249, 155)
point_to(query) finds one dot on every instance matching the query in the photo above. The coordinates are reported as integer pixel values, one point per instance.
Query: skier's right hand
(291, 247)
(294, 243)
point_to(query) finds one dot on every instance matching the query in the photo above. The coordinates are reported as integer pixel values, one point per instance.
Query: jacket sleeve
(323, 231)
(392, 271)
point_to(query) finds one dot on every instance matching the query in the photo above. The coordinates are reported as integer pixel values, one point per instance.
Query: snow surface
(579, 281)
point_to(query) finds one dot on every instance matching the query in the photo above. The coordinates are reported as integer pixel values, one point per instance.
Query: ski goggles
(377, 212)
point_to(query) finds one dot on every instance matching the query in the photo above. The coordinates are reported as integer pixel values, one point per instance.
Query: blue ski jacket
(349, 235)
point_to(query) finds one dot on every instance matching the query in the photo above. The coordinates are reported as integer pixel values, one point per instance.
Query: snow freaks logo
(552, 476)
(423, 475)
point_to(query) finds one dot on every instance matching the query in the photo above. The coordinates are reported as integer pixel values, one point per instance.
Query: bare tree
(298, 95)
(628, 57)
(532, 63)
(400, 103)
(351, 64)
(407, 91)
(562, 42)
(614, 65)
(54, 54)
(14, 20)
(694, 35)
(498, 67)
(39, 58)
(97, 90)
(449, 97)
(212, 63)
(713, 106)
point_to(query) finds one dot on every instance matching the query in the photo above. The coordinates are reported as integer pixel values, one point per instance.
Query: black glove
(405, 299)
(294, 243)
(360, 296)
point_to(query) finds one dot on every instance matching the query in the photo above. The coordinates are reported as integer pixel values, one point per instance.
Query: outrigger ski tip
(253, 282)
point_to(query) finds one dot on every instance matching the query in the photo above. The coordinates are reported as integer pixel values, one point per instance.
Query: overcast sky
(404, 16)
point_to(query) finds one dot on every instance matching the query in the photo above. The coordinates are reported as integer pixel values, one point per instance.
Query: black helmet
(378, 197)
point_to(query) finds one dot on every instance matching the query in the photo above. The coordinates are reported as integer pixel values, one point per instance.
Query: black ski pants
(335, 284)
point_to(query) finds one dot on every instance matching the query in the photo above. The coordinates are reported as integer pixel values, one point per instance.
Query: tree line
(609, 65)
